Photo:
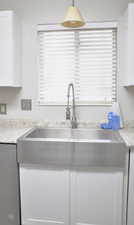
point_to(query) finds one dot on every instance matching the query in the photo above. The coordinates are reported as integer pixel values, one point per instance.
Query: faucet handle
(67, 113)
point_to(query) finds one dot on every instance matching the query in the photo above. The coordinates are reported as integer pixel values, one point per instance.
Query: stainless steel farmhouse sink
(72, 147)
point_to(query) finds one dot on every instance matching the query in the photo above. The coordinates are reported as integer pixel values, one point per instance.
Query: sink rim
(25, 137)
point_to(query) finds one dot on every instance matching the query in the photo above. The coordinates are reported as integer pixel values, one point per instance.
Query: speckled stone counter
(11, 129)
(10, 135)
(128, 136)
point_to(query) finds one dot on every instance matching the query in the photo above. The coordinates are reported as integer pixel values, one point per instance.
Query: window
(86, 57)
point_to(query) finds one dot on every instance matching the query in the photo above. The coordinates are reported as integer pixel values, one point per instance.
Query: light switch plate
(26, 104)
(3, 108)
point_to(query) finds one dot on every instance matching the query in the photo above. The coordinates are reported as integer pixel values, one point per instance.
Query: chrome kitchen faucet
(68, 113)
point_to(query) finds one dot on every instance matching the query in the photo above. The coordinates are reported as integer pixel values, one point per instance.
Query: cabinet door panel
(6, 46)
(44, 196)
(126, 46)
(97, 197)
(10, 49)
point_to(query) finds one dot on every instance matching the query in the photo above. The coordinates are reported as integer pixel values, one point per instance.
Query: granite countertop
(128, 136)
(11, 130)
(10, 135)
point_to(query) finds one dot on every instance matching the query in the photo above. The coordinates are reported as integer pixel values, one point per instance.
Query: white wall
(33, 12)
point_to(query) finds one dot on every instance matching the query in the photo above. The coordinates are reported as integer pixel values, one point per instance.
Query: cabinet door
(9, 198)
(130, 46)
(6, 48)
(126, 46)
(44, 196)
(96, 197)
(10, 49)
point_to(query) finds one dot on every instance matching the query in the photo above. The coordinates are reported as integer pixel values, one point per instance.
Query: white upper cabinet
(126, 46)
(10, 72)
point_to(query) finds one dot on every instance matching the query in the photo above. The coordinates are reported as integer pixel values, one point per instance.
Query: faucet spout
(68, 116)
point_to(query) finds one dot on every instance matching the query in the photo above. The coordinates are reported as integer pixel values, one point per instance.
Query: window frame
(58, 27)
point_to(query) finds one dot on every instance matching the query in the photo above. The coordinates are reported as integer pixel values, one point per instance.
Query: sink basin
(50, 133)
(74, 135)
(72, 147)
(95, 135)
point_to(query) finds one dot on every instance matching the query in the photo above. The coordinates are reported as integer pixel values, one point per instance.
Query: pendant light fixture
(73, 17)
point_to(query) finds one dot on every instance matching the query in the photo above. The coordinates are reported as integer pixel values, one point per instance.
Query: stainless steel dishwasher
(9, 188)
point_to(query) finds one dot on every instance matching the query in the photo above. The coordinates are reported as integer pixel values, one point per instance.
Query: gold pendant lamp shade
(73, 17)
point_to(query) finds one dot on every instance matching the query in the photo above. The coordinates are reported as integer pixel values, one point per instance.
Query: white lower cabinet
(92, 196)
(44, 196)
(97, 197)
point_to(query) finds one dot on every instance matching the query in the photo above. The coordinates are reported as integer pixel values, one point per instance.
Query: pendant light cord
(72, 2)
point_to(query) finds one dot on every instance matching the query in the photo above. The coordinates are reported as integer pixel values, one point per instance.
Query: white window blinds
(85, 57)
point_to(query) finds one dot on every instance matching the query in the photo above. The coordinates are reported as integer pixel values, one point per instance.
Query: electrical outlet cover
(26, 104)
